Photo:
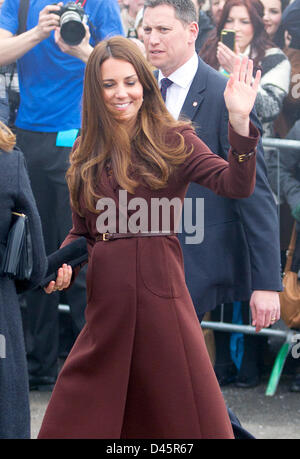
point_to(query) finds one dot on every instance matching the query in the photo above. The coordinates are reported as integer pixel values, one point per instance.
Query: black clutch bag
(72, 254)
(17, 260)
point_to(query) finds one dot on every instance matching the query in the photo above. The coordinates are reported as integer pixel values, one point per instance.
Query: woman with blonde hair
(140, 368)
(15, 195)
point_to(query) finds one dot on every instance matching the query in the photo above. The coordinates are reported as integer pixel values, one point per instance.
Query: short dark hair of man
(185, 10)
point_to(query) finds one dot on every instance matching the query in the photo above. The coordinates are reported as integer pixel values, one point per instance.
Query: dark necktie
(164, 84)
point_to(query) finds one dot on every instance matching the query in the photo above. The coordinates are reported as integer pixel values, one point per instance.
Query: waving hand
(240, 94)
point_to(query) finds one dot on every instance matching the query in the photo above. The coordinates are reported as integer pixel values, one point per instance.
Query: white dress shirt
(182, 79)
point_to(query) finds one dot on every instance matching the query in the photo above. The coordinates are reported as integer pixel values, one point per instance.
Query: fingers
(257, 80)
(50, 287)
(226, 57)
(62, 281)
(236, 69)
(249, 75)
(48, 20)
(264, 318)
(225, 50)
(243, 72)
(253, 313)
(237, 48)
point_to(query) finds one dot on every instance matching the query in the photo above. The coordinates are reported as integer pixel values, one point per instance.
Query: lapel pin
(195, 104)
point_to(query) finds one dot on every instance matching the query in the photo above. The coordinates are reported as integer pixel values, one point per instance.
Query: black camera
(72, 20)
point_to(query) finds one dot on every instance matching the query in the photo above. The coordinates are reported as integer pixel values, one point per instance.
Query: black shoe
(226, 380)
(42, 383)
(225, 374)
(245, 382)
(295, 386)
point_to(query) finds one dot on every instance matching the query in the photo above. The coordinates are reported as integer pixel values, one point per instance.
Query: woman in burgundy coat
(140, 368)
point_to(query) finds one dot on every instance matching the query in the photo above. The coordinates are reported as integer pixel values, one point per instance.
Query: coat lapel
(196, 93)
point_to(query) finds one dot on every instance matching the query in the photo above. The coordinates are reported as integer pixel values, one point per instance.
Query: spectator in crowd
(129, 13)
(290, 186)
(138, 25)
(4, 104)
(245, 17)
(290, 112)
(9, 92)
(216, 8)
(15, 194)
(239, 256)
(137, 32)
(51, 78)
(287, 126)
(273, 10)
(121, 4)
(205, 24)
(151, 377)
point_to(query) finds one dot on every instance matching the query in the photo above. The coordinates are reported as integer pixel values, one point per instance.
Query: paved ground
(276, 417)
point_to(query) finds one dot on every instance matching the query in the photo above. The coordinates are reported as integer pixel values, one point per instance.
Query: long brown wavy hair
(105, 139)
(260, 43)
(7, 138)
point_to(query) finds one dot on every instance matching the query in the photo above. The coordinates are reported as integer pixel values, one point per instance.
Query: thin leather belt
(113, 236)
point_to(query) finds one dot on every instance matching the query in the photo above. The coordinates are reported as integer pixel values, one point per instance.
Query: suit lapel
(196, 93)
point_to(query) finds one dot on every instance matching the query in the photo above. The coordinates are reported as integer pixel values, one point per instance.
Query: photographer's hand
(48, 21)
(81, 51)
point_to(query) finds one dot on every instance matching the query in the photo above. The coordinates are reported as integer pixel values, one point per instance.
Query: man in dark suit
(239, 257)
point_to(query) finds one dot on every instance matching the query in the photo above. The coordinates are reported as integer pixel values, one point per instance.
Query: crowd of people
(124, 109)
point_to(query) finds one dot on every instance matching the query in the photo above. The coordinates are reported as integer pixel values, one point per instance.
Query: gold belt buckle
(105, 237)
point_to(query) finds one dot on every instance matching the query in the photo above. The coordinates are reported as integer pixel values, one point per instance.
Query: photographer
(9, 92)
(51, 75)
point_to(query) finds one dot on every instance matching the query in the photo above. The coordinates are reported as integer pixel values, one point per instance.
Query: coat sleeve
(25, 202)
(79, 229)
(234, 178)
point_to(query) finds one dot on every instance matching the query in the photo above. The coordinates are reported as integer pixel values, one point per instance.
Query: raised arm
(235, 178)
(15, 46)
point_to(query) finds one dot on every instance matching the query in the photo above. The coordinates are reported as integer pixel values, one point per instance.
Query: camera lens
(71, 28)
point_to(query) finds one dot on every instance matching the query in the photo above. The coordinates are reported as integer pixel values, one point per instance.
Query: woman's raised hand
(240, 94)
(226, 56)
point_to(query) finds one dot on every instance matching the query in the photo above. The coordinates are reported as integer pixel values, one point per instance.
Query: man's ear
(194, 30)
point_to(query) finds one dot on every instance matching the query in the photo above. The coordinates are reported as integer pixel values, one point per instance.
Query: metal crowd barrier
(285, 335)
(285, 144)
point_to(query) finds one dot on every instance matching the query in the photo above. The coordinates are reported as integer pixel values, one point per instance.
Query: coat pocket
(161, 266)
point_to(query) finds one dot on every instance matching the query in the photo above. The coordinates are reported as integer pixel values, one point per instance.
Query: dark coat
(16, 194)
(140, 368)
(240, 251)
